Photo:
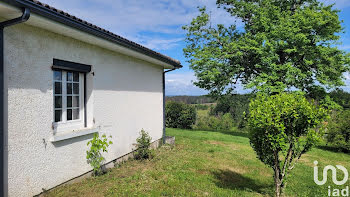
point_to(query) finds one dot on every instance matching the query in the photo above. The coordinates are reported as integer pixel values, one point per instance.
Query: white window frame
(64, 124)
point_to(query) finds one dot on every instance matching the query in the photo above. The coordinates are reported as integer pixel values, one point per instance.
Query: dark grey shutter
(70, 66)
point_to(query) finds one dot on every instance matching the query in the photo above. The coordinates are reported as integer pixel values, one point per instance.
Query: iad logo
(334, 174)
(333, 192)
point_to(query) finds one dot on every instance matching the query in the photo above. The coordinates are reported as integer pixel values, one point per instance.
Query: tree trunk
(277, 175)
(278, 189)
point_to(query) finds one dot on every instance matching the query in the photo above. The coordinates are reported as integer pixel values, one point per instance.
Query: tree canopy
(283, 127)
(280, 45)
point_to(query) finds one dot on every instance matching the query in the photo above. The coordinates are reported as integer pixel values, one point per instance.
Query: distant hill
(340, 96)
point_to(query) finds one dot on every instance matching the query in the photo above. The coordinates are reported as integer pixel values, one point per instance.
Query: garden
(204, 163)
(216, 159)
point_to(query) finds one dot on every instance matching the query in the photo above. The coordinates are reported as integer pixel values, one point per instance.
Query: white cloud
(182, 84)
(133, 17)
(347, 82)
(157, 44)
(347, 76)
(339, 4)
(344, 47)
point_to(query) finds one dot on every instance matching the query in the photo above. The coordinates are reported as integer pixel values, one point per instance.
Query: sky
(157, 24)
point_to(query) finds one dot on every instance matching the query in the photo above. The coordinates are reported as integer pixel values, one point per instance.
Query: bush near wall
(338, 135)
(179, 115)
(143, 144)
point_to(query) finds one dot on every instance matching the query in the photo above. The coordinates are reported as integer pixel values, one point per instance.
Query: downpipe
(164, 135)
(4, 104)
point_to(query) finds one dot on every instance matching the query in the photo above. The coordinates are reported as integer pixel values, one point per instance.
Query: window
(57, 76)
(69, 86)
(68, 96)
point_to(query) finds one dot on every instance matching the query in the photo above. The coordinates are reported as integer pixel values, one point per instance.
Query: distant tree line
(340, 96)
(191, 99)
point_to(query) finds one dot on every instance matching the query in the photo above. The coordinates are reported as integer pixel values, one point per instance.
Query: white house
(62, 80)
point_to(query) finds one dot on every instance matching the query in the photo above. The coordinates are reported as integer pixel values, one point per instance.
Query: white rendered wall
(124, 96)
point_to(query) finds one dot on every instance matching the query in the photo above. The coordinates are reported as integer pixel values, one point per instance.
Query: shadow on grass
(235, 181)
(234, 133)
(332, 149)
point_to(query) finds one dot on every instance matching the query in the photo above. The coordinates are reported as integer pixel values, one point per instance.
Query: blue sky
(157, 24)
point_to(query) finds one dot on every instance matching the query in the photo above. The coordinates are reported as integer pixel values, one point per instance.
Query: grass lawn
(205, 163)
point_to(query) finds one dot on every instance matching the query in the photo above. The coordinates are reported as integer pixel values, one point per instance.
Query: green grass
(204, 163)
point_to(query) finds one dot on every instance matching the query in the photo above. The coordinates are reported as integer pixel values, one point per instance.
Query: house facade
(64, 80)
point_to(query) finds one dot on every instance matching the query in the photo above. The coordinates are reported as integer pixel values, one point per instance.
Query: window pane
(58, 88)
(76, 76)
(58, 115)
(69, 88)
(69, 114)
(76, 88)
(69, 101)
(75, 101)
(75, 114)
(58, 101)
(57, 75)
(69, 76)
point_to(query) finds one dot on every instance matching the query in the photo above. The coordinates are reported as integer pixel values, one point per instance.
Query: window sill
(73, 134)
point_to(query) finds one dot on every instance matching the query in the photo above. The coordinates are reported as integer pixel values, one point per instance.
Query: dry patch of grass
(229, 145)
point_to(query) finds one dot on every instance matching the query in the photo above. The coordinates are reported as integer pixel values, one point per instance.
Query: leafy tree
(282, 44)
(283, 127)
(338, 134)
(179, 115)
(341, 97)
(235, 104)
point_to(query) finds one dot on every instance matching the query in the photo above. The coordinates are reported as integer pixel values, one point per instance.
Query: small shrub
(179, 115)
(216, 123)
(338, 135)
(203, 123)
(226, 122)
(94, 155)
(143, 144)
